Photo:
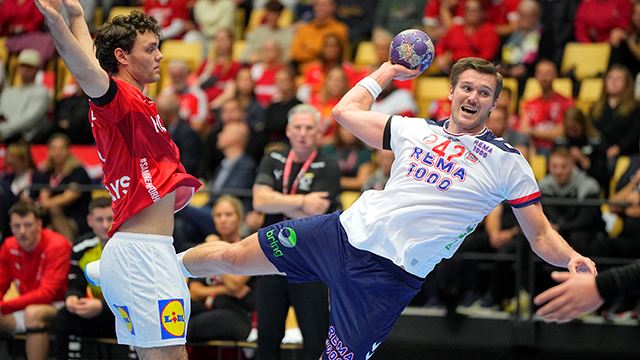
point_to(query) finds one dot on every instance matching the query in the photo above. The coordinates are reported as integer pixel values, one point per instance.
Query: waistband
(129, 236)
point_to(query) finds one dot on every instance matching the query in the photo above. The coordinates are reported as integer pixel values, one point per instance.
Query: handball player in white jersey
(374, 256)
(141, 277)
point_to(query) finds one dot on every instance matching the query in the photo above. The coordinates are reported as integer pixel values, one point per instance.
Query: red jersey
(141, 163)
(264, 79)
(596, 18)
(546, 113)
(40, 275)
(165, 11)
(483, 43)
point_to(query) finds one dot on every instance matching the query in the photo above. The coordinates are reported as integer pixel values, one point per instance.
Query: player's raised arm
(74, 44)
(352, 112)
(547, 243)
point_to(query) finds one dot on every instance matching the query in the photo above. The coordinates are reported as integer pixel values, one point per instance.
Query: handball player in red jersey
(141, 278)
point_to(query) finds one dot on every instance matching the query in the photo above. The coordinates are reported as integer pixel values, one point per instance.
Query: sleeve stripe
(386, 137)
(108, 96)
(525, 200)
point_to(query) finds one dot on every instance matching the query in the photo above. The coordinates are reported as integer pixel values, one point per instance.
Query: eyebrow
(480, 86)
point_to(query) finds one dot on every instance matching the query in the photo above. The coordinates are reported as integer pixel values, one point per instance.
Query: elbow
(338, 112)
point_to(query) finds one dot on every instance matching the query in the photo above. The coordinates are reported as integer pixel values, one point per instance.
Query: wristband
(371, 86)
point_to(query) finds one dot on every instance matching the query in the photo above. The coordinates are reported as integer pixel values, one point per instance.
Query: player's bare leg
(177, 352)
(218, 257)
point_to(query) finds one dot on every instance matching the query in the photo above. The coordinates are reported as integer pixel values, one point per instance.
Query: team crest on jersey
(471, 159)
(123, 312)
(172, 318)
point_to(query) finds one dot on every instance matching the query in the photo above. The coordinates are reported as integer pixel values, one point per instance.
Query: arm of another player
(352, 112)
(74, 45)
(547, 243)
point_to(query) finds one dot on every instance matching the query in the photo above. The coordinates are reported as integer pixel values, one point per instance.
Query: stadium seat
(622, 164)
(539, 165)
(365, 54)
(532, 89)
(122, 10)
(255, 19)
(4, 52)
(428, 90)
(189, 52)
(512, 84)
(588, 59)
(590, 92)
(238, 48)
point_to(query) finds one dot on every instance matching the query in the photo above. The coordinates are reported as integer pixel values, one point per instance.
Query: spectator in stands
(616, 115)
(194, 105)
(556, 17)
(85, 313)
(219, 66)
(441, 15)
(378, 179)
(71, 116)
(335, 86)
(498, 123)
(393, 100)
(275, 118)
(579, 225)
(268, 30)
(172, 16)
(628, 51)
(542, 117)
(474, 37)
(354, 159)
(394, 16)
(242, 88)
(358, 15)
(308, 184)
(188, 141)
(23, 107)
(520, 50)
(602, 20)
(332, 55)
(221, 304)
(585, 146)
(20, 169)
(307, 41)
(19, 17)
(211, 17)
(505, 101)
(59, 193)
(503, 14)
(263, 72)
(36, 260)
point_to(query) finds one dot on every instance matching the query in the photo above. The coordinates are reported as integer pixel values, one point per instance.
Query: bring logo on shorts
(172, 318)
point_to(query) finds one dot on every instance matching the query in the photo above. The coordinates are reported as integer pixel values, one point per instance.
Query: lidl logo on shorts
(172, 321)
(123, 311)
(288, 237)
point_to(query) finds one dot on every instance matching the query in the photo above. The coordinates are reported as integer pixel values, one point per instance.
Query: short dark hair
(22, 209)
(99, 203)
(121, 32)
(273, 6)
(480, 65)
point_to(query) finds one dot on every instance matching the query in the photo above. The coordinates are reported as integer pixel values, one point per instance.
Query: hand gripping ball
(412, 48)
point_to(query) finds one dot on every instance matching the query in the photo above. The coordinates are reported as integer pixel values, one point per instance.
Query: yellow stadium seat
(238, 48)
(122, 10)
(189, 52)
(239, 25)
(539, 165)
(429, 89)
(562, 86)
(347, 198)
(365, 54)
(255, 19)
(588, 59)
(590, 92)
(622, 164)
(512, 84)
(4, 52)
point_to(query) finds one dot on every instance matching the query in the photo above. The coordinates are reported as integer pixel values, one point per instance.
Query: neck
(233, 152)
(303, 155)
(125, 76)
(614, 100)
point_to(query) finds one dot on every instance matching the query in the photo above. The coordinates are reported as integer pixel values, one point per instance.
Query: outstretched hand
(49, 8)
(401, 72)
(73, 8)
(576, 294)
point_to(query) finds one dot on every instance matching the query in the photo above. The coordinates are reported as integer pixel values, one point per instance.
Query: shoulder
(498, 142)
(277, 156)
(90, 241)
(55, 240)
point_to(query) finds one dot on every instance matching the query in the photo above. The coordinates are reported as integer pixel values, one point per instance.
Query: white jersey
(441, 186)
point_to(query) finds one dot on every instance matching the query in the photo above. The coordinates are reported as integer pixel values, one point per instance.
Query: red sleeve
(489, 42)
(432, 10)
(53, 282)
(580, 26)
(181, 11)
(443, 45)
(112, 106)
(626, 8)
(5, 273)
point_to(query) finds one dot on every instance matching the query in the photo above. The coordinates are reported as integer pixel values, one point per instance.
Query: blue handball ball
(412, 48)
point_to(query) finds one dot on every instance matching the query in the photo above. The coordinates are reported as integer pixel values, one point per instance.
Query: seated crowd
(227, 107)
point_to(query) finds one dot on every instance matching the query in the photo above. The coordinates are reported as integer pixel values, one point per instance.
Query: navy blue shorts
(367, 292)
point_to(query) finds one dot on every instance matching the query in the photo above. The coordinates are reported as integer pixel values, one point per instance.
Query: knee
(38, 316)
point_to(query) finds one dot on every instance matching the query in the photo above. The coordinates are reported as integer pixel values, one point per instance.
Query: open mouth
(469, 110)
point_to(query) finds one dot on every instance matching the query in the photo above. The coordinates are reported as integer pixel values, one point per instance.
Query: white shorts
(144, 288)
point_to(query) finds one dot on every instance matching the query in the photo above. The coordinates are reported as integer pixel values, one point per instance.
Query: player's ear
(450, 95)
(121, 56)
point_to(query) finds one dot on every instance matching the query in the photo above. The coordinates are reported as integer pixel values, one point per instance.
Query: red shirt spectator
(502, 11)
(546, 112)
(595, 19)
(264, 80)
(218, 77)
(440, 109)
(171, 15)
(40, 274)
(18, 17)
(482, 43)
(432, 13)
